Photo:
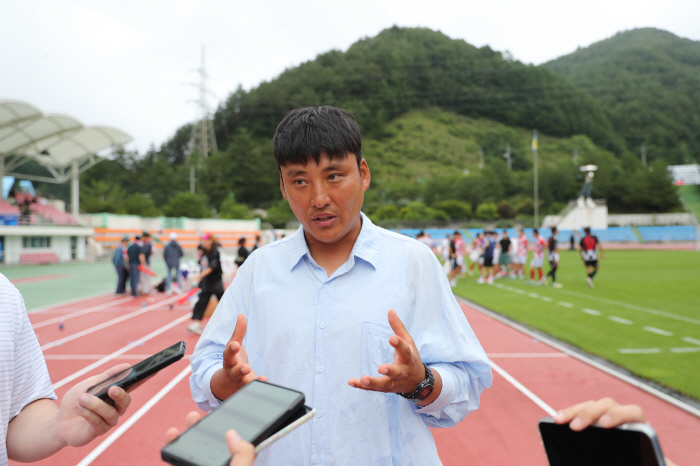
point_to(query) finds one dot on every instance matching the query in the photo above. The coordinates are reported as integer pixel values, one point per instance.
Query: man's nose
(320, 196)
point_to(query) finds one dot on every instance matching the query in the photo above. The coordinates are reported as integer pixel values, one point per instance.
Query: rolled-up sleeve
(447, 344)
(208, 355)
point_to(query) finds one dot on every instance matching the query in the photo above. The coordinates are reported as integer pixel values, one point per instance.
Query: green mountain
(402, 69)
(648, 81)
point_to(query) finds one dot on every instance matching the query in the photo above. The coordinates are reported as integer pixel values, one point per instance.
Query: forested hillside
(648, 82)
(427, 106)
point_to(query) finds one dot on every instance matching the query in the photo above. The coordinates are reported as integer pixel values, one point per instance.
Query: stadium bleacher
(668, 233)
(42, 211)
(188, 239)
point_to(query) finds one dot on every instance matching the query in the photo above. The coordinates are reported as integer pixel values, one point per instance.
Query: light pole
(534, 153)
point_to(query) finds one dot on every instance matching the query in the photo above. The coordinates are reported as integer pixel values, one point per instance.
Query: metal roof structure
(63, 145)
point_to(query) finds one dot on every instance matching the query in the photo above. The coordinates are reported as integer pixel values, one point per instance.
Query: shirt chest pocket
(376, 349)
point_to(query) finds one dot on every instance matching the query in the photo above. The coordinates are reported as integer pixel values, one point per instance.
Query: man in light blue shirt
(350, 314)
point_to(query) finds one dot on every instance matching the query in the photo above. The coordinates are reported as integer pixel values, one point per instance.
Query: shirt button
(317, 459)
(322, 325)
(319, 415)
(320, 369)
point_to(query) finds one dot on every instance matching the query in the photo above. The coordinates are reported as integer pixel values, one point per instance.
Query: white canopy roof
(52, 140)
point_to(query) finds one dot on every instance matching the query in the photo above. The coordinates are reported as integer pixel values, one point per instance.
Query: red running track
(502, 432)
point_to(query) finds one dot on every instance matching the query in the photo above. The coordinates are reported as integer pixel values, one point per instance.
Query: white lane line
(519, 291)
(694, 349)
(592, 312)
(534, 295)
(658, 331)
(565, 304)
(80, 313)
(639, 350)
(583, 358)
(620, 320)
(537, 400)
(498, 285)
(546, 299)
(92, 357)
(694, 341)
(109, 323)
(528, 355)
(132, 420)
(117, 353)
(68, 301)
(670, 315)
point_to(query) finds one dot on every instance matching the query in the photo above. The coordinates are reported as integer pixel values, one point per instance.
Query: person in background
(504, 257)
(210, 282)
(242, 253)
(488, 246)
(476, 253)
(145, 286)
(32, 425)
(120, 264)
(538, 248)
(172, 254)
(553, 255)
(456, 245)
(258, 243)
(590, 246)
(136, 258)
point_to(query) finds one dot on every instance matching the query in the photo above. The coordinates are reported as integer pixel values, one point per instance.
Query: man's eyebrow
(333, 166)
(295, 172)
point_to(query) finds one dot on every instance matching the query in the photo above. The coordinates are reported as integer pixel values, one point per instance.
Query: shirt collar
(366, 245)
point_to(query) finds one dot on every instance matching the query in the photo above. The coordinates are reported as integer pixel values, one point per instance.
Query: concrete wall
(60, 241)
(639, 220)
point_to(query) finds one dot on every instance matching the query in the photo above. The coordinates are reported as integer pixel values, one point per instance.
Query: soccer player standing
(520, 255)
(537, 257)
(553, 254)
(589, 254)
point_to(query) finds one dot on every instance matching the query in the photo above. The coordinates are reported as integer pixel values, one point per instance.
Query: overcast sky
(128, 64)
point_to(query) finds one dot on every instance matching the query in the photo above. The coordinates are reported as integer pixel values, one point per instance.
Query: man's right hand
(236, 371)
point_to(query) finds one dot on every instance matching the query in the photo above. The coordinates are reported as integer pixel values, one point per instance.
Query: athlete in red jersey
(537, 257)
(590, 246)
(520, 255)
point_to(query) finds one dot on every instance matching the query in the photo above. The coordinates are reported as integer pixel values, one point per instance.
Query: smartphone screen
(252, 411)
(140, 370)
(602, 447)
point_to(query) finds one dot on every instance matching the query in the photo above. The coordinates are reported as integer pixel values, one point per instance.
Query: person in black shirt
(242, 252)
(553, 254)
(210, 283)
(504, 257)
(590, 246)
(136, 258)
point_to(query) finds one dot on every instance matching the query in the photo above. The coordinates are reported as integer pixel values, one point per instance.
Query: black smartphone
(255, 412)
(633, 444)
(138, 372)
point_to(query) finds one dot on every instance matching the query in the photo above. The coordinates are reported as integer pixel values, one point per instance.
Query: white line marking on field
(498, 285)
(528, 355)
(640, 350)
(582, 357)
(537, 400)
(620, 320)
(633, 307)
(119, 352)
(533, 295)
(592, 312)
(69, 301)
(109, 323)
(509, 288)
(565, 304)
(658, 331)
(694, 349)
(546, 298)
(132, 420)
(694, 341)
(81, 312)
(519, 291)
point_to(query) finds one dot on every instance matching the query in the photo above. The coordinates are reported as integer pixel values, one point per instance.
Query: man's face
(326, 198)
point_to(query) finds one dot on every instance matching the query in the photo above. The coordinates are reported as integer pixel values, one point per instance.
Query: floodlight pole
(75, 188)
(536, 196)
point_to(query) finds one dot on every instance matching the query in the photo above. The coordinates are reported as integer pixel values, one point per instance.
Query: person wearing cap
(210, 283)
(120, 265)
(172, 254)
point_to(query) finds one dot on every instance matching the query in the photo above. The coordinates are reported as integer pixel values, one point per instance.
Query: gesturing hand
(236, 371)
(405, 373)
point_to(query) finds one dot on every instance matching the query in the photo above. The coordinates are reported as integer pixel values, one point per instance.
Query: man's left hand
(405, 373)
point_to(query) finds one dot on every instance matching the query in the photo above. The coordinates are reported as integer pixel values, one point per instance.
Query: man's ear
(283, 188)
(365, 174)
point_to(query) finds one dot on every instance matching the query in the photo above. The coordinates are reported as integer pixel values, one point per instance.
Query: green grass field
(643, 314)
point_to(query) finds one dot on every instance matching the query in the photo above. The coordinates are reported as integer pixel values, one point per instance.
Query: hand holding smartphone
(131, 378)
(260, 412)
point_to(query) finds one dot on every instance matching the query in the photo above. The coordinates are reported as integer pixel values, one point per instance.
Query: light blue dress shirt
(312, 333)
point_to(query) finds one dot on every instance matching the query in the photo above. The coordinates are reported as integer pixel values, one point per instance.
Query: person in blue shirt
(489, 246)
(120, 265)
(360, 319)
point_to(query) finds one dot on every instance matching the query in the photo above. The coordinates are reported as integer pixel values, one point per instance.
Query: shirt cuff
(212, 400)
(447, 395)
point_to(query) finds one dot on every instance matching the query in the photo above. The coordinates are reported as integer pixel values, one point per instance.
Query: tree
(279, 214)
(232, 209)
(487, 211)
(455, 210)
(141, 205)
(187, 204)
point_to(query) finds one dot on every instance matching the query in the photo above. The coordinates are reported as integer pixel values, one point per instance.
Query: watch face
(425, 393)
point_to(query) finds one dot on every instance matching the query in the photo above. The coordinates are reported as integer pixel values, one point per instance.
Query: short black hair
(309, 132)
(554, 229)
(534, 230)
(587, 230)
